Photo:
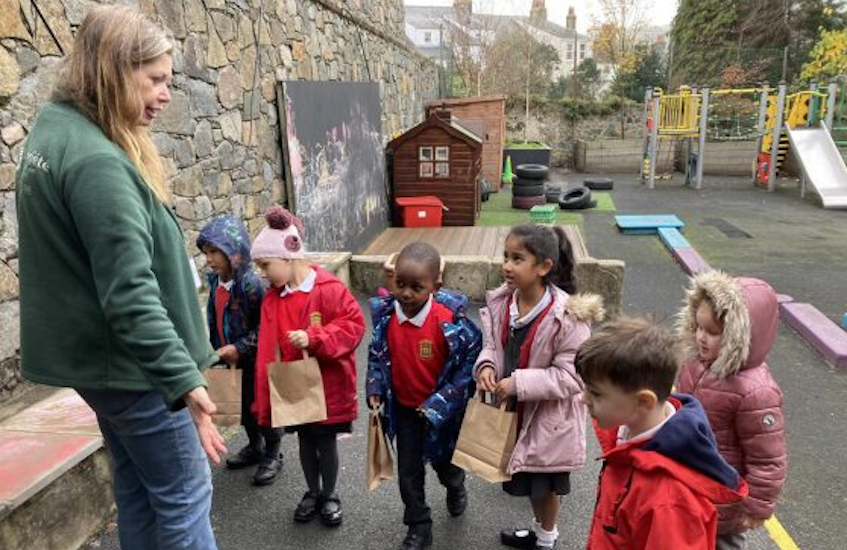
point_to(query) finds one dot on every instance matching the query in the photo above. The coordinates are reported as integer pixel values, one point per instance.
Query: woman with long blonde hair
(108, 302)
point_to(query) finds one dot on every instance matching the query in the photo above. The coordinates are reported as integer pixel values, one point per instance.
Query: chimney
(571, 24)
(463, 9)
(538, 11)
(443, 112)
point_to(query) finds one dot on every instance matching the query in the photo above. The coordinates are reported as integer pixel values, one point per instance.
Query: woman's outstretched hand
(202, 409)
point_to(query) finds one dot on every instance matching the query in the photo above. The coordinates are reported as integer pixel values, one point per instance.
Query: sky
(658, 12)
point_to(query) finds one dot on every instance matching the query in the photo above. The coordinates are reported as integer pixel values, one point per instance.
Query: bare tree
(619, 29)
(471, 38)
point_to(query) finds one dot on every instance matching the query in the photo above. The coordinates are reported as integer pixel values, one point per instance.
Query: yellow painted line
(779, 535)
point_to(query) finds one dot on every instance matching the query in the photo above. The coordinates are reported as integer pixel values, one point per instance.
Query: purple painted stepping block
(824, 335)
(691, 262)
(783, 299)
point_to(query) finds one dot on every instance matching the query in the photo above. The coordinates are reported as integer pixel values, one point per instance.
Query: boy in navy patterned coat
(420, 366)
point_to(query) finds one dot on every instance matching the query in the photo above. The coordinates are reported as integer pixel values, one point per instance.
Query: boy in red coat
(307, 308)
(662, 476)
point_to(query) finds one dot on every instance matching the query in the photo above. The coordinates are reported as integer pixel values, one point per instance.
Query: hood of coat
(685, 448)
(583, 307)
(750, 314)
(228, 235)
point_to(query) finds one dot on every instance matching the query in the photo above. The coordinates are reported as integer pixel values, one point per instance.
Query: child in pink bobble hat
(308, 308)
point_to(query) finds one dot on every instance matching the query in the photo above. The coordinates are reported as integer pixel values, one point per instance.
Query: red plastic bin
(421, 211)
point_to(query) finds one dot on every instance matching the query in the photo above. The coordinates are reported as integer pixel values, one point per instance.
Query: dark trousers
(411, 475)
(255, 433)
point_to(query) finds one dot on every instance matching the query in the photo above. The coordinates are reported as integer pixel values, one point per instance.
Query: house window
(425, 154)
(582, 50)
(427, 37)
(426, 170)
(442, 153)
(442, 169)
(569, 51)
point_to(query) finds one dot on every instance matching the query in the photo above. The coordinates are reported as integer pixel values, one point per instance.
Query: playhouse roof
(453, 127)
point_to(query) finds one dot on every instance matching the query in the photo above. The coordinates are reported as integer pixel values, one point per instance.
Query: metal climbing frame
(687, 115)
(669, 116)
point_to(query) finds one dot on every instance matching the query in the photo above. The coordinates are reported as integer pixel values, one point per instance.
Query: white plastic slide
(822, 162)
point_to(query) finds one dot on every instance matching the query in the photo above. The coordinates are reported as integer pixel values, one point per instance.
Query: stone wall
(220, 135)
(551, 124)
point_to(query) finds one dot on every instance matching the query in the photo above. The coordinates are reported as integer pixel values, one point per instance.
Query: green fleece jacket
(107, 292)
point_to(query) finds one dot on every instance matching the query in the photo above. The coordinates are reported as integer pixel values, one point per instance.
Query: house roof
(432, 17)
(426, 17)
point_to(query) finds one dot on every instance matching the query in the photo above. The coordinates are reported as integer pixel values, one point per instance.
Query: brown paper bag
(297, 391)
(486, 440)
(224, 388)
(380, 463)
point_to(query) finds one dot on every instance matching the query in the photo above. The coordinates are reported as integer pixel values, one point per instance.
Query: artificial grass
(498, 211)
(605, 203)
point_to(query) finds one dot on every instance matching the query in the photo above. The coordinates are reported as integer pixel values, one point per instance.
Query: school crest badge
(315, 318)
(425, 352)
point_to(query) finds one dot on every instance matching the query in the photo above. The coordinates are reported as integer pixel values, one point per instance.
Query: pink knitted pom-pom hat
(282, 238)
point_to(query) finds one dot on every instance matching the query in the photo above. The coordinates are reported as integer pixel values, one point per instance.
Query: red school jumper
(335, 325)
(418, 355)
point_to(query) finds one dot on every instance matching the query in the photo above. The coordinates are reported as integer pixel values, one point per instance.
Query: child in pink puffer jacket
(532, 328)
(728, 326)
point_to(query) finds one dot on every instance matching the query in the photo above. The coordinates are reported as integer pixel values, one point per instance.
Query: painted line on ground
(779, 535)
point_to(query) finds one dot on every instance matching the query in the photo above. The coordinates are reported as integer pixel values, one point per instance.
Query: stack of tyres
(528, 186)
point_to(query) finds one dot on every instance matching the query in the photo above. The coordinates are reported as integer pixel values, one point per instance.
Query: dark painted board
(332, 145)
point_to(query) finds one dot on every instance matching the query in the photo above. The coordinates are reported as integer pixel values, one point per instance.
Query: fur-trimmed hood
(750, 314)
(584, 307)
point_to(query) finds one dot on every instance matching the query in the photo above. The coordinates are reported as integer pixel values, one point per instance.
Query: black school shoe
(416, 541)
(307, 509)
(457, 501)
(331, 515)
(246, 457)
(519, 538)
(268, 470)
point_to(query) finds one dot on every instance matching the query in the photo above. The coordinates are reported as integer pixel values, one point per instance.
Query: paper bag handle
(503, 403)
(278, 353)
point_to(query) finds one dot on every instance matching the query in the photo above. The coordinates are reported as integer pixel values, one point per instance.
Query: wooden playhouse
(439, 157)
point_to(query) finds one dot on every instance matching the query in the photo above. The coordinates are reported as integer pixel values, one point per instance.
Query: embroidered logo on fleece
(769, 420)
(425, 350)
(315, 318)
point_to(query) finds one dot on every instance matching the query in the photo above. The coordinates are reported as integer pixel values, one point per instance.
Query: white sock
(536, 525)
(546, 539)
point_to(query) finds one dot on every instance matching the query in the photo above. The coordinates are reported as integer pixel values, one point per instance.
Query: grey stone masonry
(219, 137)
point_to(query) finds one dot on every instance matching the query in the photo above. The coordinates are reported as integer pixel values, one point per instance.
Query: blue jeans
(163, 483)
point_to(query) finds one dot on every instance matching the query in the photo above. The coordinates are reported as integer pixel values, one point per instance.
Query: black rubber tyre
(599, 184)
(523, 182)
(484, 190)
(575, 199)
(532, 171)
(553, 194)
(525, 203)
(528, 190)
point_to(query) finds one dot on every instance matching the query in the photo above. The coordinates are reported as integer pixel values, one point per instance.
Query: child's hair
(632, 353)
(543, 243)
(423, 253)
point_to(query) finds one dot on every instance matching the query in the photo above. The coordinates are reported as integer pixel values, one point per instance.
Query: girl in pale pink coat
(532, 328)
(728, 326)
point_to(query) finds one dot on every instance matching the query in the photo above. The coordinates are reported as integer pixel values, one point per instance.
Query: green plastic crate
(543, 214)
